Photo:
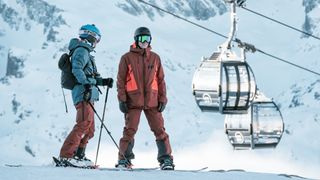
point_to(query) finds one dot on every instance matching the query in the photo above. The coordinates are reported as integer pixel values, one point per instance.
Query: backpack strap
(93, 63)
(72, 51)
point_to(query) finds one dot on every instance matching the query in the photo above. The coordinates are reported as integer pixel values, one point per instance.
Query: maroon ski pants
(81, 132)
(156, 123)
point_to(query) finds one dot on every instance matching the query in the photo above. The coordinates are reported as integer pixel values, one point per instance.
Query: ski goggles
(144, 38)
(87, 32)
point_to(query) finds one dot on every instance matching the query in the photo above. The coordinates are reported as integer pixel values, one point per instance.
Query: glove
(87, 92)
(240, 2)
(104, 82)
(123, 107)
(107, 82)
(161, 106)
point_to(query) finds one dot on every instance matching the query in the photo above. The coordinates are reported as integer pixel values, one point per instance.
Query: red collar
(135, 49)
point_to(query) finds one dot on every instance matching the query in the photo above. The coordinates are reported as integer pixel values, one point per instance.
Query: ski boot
(124, 164)
(80, 156)
(71, 162)
(167, 164)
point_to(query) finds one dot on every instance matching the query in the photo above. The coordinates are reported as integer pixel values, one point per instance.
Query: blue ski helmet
(90, 32)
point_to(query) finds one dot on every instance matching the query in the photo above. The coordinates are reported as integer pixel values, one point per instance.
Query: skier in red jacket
(141, 87)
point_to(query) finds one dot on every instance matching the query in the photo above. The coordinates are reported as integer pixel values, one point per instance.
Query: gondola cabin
(224, 83)
(262, 127)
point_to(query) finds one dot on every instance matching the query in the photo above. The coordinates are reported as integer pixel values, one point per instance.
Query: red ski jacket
(140, 80)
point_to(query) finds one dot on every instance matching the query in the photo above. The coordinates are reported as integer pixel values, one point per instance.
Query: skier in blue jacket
(84, 94)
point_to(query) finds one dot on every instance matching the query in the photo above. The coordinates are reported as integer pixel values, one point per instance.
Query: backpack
(68, 81)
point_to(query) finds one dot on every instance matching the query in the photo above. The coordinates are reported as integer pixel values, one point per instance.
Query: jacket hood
(75, 42)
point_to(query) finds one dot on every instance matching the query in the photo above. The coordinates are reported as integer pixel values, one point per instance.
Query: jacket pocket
(152, 99)
(135, 99)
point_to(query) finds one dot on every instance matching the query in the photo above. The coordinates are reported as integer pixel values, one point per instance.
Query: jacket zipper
(143, 76)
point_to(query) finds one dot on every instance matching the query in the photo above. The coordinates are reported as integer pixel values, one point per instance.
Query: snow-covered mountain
(24, 18)
(25, 13)
(200, 9)
(311, 17)
(33, 121)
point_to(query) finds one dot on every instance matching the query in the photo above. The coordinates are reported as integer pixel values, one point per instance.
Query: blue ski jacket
(84, 69)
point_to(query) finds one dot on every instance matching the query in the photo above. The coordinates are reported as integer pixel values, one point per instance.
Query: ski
(13, 165)
(152, 169)
(291, 176)
(129, 169)
(191, 170)
(58, 163)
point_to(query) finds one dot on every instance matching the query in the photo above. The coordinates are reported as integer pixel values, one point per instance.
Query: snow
(38, 173)
(198, 139)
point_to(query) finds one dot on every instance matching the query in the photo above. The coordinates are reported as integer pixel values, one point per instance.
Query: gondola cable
(221, 35)
(279, 22)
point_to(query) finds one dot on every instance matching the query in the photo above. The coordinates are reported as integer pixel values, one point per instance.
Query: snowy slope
(38, 173)
(33, 122)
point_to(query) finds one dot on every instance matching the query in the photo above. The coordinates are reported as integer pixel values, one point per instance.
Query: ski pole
(64, 98)
(104, 110)
(105, 127)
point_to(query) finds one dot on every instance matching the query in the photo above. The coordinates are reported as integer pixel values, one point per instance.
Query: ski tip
(55, 159)
(204, 168)
(13, 165)
(57, 162)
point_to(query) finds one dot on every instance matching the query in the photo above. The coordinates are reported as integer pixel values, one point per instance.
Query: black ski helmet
(141, 31)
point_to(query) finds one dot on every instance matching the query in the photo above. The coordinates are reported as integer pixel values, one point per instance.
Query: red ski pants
(81, 132)
(156, 124)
